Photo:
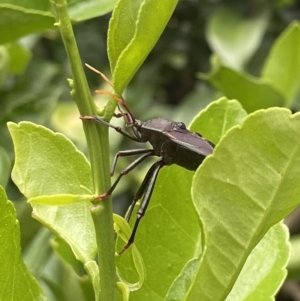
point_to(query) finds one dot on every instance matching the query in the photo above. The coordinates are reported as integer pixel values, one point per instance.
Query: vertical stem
(98, 145)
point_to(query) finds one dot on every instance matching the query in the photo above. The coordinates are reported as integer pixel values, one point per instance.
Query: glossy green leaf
(247, 186)
(60, 199)
(134, 29)
(4, 64)
(19, 58)
(52, 276)
(123, 288)
(282, 67)
(5, 167)
(48, 163)
(16, 283)
(84, 10)
(73, 276)
(265, 268)
(64, 252)
(251, 92)
(182, 283)
(221, 115)
(29, 4)
(261, 277)
(168, 235)
(37, 252)
(41, 153)
(233, 37)
(123, 230)
(22, 21)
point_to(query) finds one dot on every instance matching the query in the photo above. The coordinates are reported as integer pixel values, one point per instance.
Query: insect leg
(129, 121)
(117, 128)
(126, 153)
(145, 190)
(125, 171)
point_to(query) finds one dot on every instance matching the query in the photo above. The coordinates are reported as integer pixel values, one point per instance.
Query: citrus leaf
(247, 185)
(60, 199)
(84, 10)
(49, 164)
(19, 58)
(124, 290)
(265, 268)
(16, 283)
(4, 64)
(5, 167)
(182, 283)
(261, 277)
(168, 236)
(282, 67)
(253, 93)
(221, 115)
(123, 230)
(235, 38)
(134, 29)
(22, 21)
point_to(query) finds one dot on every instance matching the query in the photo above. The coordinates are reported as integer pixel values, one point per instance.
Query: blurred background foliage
(177, 80)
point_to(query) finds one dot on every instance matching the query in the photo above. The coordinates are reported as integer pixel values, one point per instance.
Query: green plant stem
(98, 145)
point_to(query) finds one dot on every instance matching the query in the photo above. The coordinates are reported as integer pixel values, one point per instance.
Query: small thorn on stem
(101, 197)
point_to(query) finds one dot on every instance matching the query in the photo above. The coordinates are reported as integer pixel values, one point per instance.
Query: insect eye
(179, 126)
(182, 125)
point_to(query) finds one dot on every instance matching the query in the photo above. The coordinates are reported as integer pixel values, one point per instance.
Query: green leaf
(84, 10)
(64, 252)
(168, 236)
(22, 21)
(19, 57)
(74, 278)
(64, 275)
(34, 95)
(37, 252)
(16, 283)
(123, 288)
(48, 163)
(4, 64)
(123, 230)
(262, 274)
(218, 118)
(30, 4)
(235, 38)
(249, 184)
(182, 283)
(5, 167)
(282, 67)
(60, 199)
(251, 92)
(265, 268)
(134, 29)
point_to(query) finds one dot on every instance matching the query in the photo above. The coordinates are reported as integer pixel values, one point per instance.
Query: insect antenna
(129, 117)
(100, 73)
